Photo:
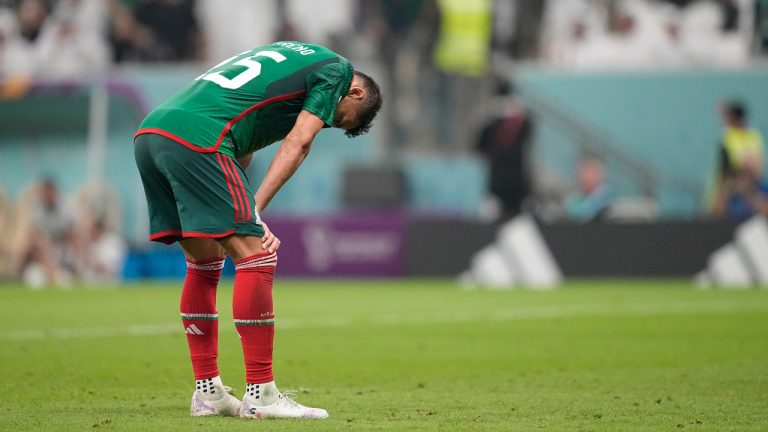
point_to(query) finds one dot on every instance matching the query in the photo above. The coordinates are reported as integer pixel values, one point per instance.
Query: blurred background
(628, 134)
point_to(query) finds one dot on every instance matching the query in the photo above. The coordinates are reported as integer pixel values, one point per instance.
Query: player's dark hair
(370, 106)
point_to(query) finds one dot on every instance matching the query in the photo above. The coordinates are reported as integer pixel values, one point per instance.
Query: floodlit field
(411, 355)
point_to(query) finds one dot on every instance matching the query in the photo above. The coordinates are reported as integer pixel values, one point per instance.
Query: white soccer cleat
(218, 403)
(271, 404)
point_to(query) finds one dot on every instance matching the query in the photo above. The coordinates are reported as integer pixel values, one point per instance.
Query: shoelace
(229, 390)
(290, 397)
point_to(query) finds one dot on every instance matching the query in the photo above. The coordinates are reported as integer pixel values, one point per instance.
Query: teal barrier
(667, 122)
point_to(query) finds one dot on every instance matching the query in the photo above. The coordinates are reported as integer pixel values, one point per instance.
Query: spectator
(761, 26)
(570, 27)
(64, 44)
(173, 27)
(319, 23)
(90, 15)
(71, 47)
(635, 34)
(227, 33)
(403, 34)
(155, 31)
(131, 42)
(730, 13)
(745, 194)
(19, 33)
(589, 203)
(505, 142)
(739, 142)
(704, 41)
(103, 255)
(32, 15)
(7, 32)
(51, 255)
(638, 39)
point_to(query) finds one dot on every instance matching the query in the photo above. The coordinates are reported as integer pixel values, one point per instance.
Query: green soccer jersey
(252, 99)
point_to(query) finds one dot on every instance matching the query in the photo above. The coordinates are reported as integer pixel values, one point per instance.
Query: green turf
(416, 355)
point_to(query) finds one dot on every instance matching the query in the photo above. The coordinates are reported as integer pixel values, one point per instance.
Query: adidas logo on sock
(193, 330)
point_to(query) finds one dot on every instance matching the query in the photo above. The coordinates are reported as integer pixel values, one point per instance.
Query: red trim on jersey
(226, 129)
(176, 138)
(253, 108)
(189, 234)
(242, 190)
(230, 184)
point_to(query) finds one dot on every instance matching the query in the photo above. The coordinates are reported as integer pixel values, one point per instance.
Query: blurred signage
(346, 246)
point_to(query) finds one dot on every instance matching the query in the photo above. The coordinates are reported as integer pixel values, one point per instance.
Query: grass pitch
(401, 355)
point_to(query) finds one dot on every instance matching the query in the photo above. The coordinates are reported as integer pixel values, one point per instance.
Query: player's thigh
(161, 202)
(239, 247)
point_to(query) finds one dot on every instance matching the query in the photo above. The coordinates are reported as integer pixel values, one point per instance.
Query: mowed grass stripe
(506, 314)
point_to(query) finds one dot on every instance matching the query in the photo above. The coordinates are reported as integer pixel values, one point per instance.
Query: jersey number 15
(253, 69)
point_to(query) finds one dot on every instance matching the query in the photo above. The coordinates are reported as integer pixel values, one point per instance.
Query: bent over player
(192, 151)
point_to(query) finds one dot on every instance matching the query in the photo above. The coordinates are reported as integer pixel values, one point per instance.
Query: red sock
(199, 315)
(254, 316)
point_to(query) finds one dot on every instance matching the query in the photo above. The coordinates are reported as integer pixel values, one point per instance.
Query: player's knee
(240, 247)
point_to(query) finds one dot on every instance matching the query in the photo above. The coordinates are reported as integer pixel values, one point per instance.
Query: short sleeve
(325, 88)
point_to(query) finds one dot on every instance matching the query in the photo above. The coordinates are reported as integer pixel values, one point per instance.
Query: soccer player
(192, 152)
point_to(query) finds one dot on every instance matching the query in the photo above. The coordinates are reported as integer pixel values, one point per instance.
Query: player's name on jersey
(301, 49)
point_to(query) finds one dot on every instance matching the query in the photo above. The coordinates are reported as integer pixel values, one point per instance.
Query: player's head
(356, 111)
(590, 173)
(49, 192)
(735, 113)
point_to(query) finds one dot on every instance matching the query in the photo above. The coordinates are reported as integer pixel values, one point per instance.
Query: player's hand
(270, 242)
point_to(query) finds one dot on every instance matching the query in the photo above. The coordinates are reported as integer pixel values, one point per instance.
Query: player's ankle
(212, 388)
(262, 394)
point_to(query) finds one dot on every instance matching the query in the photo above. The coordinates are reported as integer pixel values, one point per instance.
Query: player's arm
(289, 157)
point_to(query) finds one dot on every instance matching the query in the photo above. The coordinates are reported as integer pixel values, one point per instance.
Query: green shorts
(193, 195)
